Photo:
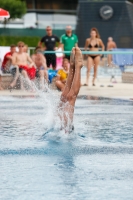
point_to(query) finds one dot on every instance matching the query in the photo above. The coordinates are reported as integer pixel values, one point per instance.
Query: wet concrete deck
(104, 88)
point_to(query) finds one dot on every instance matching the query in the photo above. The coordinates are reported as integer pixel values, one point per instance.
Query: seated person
(41, 67)
(7, 66)
(25, 49)
(62, 75)
(25, 64)
(1, 88)
(7, 59)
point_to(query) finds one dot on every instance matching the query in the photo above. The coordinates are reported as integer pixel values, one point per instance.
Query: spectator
(8, 59)
(68, 41)
(7, 66)
(62, 75)
(25, 49)
(21, 59)
(110, 46)
(1, 88)
(41, 66)
(93, 44)
(49, 41)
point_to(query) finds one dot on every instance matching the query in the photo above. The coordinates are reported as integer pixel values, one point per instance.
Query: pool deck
(104, 88)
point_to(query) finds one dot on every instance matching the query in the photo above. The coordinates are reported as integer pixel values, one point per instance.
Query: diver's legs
(68, 107)
(70, 77)
(74, 90)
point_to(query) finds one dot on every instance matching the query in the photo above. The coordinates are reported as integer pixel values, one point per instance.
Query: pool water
(93, 162)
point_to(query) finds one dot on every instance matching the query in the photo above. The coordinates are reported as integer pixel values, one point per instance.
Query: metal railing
(88, 52)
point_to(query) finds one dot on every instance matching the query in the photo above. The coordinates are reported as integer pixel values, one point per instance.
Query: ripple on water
(39, 162)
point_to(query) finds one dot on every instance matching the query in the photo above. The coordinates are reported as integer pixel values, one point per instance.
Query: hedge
(8, 40)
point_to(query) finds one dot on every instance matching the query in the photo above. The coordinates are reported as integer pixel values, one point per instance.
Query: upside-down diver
(71, 90)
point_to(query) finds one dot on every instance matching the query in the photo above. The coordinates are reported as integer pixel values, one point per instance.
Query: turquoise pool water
(94, 162)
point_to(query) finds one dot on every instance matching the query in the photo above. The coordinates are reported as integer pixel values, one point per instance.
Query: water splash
(57, 114)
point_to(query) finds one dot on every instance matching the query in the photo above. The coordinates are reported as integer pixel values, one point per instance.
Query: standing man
(110, 46)
(49, 41)
(68, 41)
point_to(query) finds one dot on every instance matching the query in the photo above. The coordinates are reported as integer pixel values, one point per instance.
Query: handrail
(89, 52)
(92, 52)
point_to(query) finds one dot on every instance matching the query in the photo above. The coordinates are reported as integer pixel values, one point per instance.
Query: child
(62, 75)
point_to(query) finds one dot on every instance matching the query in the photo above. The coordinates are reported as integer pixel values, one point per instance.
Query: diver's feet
(72, 58)
(70, 76)
(78, 58)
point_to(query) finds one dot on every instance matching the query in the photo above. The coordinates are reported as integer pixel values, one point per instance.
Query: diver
(71, 90)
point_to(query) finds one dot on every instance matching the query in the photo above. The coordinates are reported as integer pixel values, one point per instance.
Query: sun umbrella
(4, 14)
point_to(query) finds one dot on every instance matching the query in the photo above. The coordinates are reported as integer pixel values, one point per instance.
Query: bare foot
(78, 58)
(11, 85)
(22, 87)
(1, 88)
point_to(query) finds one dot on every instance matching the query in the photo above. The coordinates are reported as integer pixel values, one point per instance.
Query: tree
(16, 8)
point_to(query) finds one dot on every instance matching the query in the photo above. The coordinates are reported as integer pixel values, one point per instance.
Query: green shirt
(69, 42)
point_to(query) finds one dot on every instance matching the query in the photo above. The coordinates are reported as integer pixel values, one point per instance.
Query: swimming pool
(94, 162)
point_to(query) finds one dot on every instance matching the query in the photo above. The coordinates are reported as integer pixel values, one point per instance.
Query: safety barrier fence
(121, 61)
(90, 52)
(119, 57)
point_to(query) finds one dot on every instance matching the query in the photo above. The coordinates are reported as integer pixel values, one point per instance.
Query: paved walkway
(103, 88)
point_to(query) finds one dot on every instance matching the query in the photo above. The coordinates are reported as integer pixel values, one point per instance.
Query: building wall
(52, 4)
(119, 25)
(56, 13)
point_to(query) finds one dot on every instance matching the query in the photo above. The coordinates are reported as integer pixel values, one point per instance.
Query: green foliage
(8, 40)
(16, 8)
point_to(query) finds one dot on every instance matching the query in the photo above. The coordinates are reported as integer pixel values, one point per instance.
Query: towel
(123, 59)
(51, 74)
